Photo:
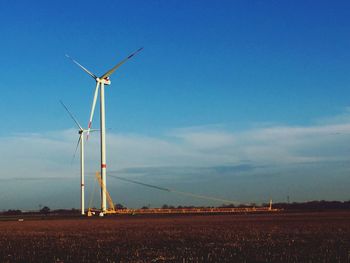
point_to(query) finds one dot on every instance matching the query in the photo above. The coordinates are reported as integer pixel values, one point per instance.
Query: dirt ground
(279, 237)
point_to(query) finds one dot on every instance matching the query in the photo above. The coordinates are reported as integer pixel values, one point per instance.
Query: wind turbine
(81, 142)
(100, 83)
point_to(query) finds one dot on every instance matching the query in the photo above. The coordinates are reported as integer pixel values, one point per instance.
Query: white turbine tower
(81, 142)
(100, 83)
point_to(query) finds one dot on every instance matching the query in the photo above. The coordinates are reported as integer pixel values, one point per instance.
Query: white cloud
(48, 155)
(34, 153)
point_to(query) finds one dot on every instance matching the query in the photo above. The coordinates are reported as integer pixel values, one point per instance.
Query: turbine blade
(71, 115)
(76, 148)
(110, 72)
(173, 191)
(92, 110)
(140, 183)
(82, 67)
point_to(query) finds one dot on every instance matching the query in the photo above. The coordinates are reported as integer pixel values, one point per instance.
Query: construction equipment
(188, 210)
(110, 209)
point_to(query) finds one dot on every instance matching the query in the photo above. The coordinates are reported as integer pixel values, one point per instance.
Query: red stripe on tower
(103, 165)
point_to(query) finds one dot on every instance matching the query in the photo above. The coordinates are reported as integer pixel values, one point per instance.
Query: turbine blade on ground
(92, 109)
(71, 115)
(82, 67)
(110, 72)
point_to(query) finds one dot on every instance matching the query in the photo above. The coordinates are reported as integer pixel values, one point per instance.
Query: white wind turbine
(100, 83)
(81, 142)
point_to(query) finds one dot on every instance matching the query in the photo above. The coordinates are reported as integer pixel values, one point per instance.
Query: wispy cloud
(203, 154)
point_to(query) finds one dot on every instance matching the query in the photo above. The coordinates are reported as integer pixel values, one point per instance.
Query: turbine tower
(100, 84)
(81, 142)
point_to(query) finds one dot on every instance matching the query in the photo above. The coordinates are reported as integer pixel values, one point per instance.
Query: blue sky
(263, 84)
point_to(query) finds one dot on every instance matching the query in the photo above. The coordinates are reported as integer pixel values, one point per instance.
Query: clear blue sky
(231, 66)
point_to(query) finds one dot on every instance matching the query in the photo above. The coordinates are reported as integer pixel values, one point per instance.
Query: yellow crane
(111, 209)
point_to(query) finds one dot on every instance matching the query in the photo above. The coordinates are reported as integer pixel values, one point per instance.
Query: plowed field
(282, 237)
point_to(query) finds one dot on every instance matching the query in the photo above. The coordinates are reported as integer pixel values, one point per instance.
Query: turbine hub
(105, 81)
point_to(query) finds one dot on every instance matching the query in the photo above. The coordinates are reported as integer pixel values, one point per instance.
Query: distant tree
(119, 206)
(45, 210)
(13, 212)
(314, 205)
(61, 211)
(145, 207)
(165, 206)
(227, 206)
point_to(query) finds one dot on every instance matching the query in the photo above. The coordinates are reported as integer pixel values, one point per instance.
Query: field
(280, 237)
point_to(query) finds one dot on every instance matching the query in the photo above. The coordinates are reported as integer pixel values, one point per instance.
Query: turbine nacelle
(105, 81)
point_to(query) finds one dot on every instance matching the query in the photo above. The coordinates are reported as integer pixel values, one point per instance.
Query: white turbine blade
(76, 148)
(71, 115)
(91, 130)
(110, 72)
(92, 109)
(82, 67)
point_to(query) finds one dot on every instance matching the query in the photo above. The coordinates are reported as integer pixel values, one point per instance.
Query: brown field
(282, 237)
